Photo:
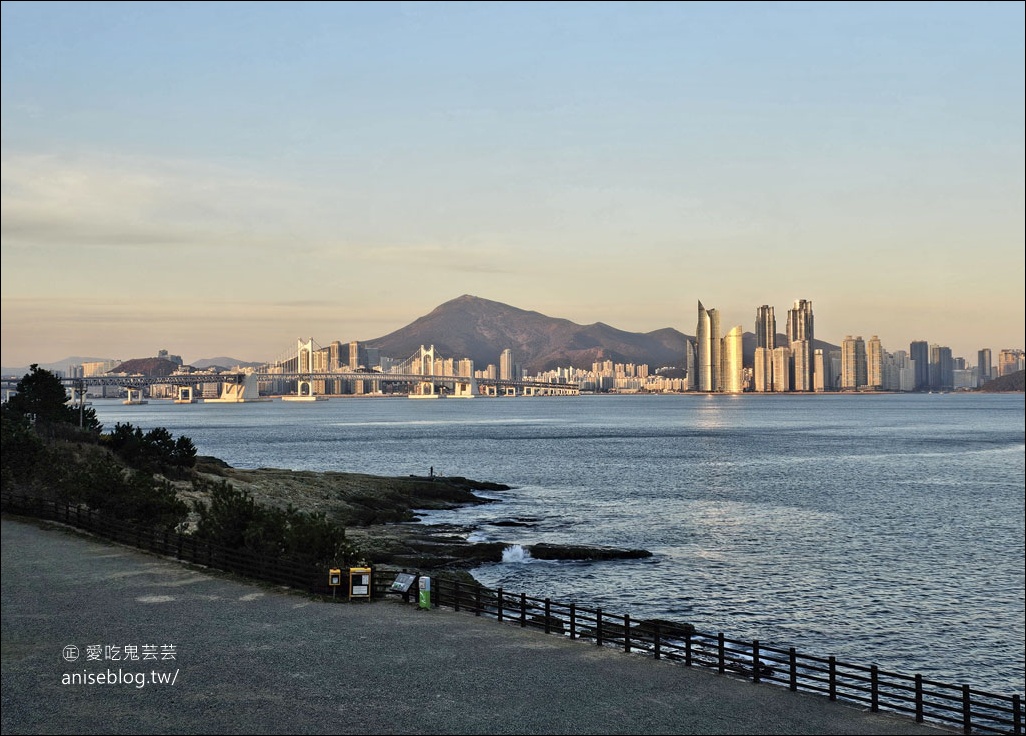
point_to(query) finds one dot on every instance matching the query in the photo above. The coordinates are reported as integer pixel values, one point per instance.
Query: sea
(881, 529)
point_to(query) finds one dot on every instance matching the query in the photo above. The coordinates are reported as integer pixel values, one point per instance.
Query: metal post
(833, 677)
(627, 632)
(874, 689)
(755, 660)
(967, 707)
(792, 657)
(919, 698)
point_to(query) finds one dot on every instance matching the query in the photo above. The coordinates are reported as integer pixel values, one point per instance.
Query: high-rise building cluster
(714, 364)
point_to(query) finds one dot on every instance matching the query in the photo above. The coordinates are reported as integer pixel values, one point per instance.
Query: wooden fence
(958, 706)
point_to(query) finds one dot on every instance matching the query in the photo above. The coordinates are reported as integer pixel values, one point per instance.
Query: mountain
(59, 366)
(480, 329)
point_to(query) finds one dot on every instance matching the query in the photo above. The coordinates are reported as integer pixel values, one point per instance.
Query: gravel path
(256, 659)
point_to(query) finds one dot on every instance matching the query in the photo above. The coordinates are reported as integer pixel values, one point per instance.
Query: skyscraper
(781, 369)
(1009, 361)
(820, 374)
(690, 365)
(707, 335)
(874, 363)
(984, 366)
(765, 328)
(800, 322)
(800, 334)
(507, 369)
(801, 360)
(941, 368)
(853, 363)
(731, 363)
(919, 351)
(763, 370)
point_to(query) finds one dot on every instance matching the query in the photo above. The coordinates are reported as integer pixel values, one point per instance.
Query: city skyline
(218, 178)
(714, 333)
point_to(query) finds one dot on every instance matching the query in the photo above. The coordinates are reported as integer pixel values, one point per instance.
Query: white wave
(516, 553)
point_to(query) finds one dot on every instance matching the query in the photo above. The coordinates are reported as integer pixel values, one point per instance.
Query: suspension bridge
(310, 372)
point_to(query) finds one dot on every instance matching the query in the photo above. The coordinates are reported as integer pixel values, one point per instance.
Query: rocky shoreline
(380, 514)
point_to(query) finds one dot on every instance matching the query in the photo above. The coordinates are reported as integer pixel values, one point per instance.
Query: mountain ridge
(480, 329)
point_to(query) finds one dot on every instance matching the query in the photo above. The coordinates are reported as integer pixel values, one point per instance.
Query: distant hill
(151, 367)
(223, 362)
(1012, 382)
(59, 366)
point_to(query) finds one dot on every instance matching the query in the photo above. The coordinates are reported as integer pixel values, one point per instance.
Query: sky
(220, 179)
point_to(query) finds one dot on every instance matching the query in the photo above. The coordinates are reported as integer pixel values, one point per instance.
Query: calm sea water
(884, 529)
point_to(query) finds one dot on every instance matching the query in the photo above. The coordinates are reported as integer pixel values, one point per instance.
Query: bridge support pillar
(426, 390)
(465, 388)
(232, 393)
(135, 396)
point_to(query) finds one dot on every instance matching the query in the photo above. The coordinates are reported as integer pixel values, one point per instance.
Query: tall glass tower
(799, 337)
(919, 351)
(707, 335)
(765, 328)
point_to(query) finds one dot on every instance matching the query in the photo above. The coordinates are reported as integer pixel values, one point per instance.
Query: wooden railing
(959, 706)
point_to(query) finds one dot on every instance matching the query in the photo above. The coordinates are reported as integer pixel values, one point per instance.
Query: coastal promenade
(213, 654)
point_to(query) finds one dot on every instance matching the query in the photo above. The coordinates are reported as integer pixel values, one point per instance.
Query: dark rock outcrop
(583, 552)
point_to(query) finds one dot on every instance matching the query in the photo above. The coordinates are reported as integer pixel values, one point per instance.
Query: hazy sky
(220, 179)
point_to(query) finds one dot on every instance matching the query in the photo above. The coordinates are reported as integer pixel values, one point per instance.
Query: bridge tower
(304, 355)
(305, 352)
(427, 361)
